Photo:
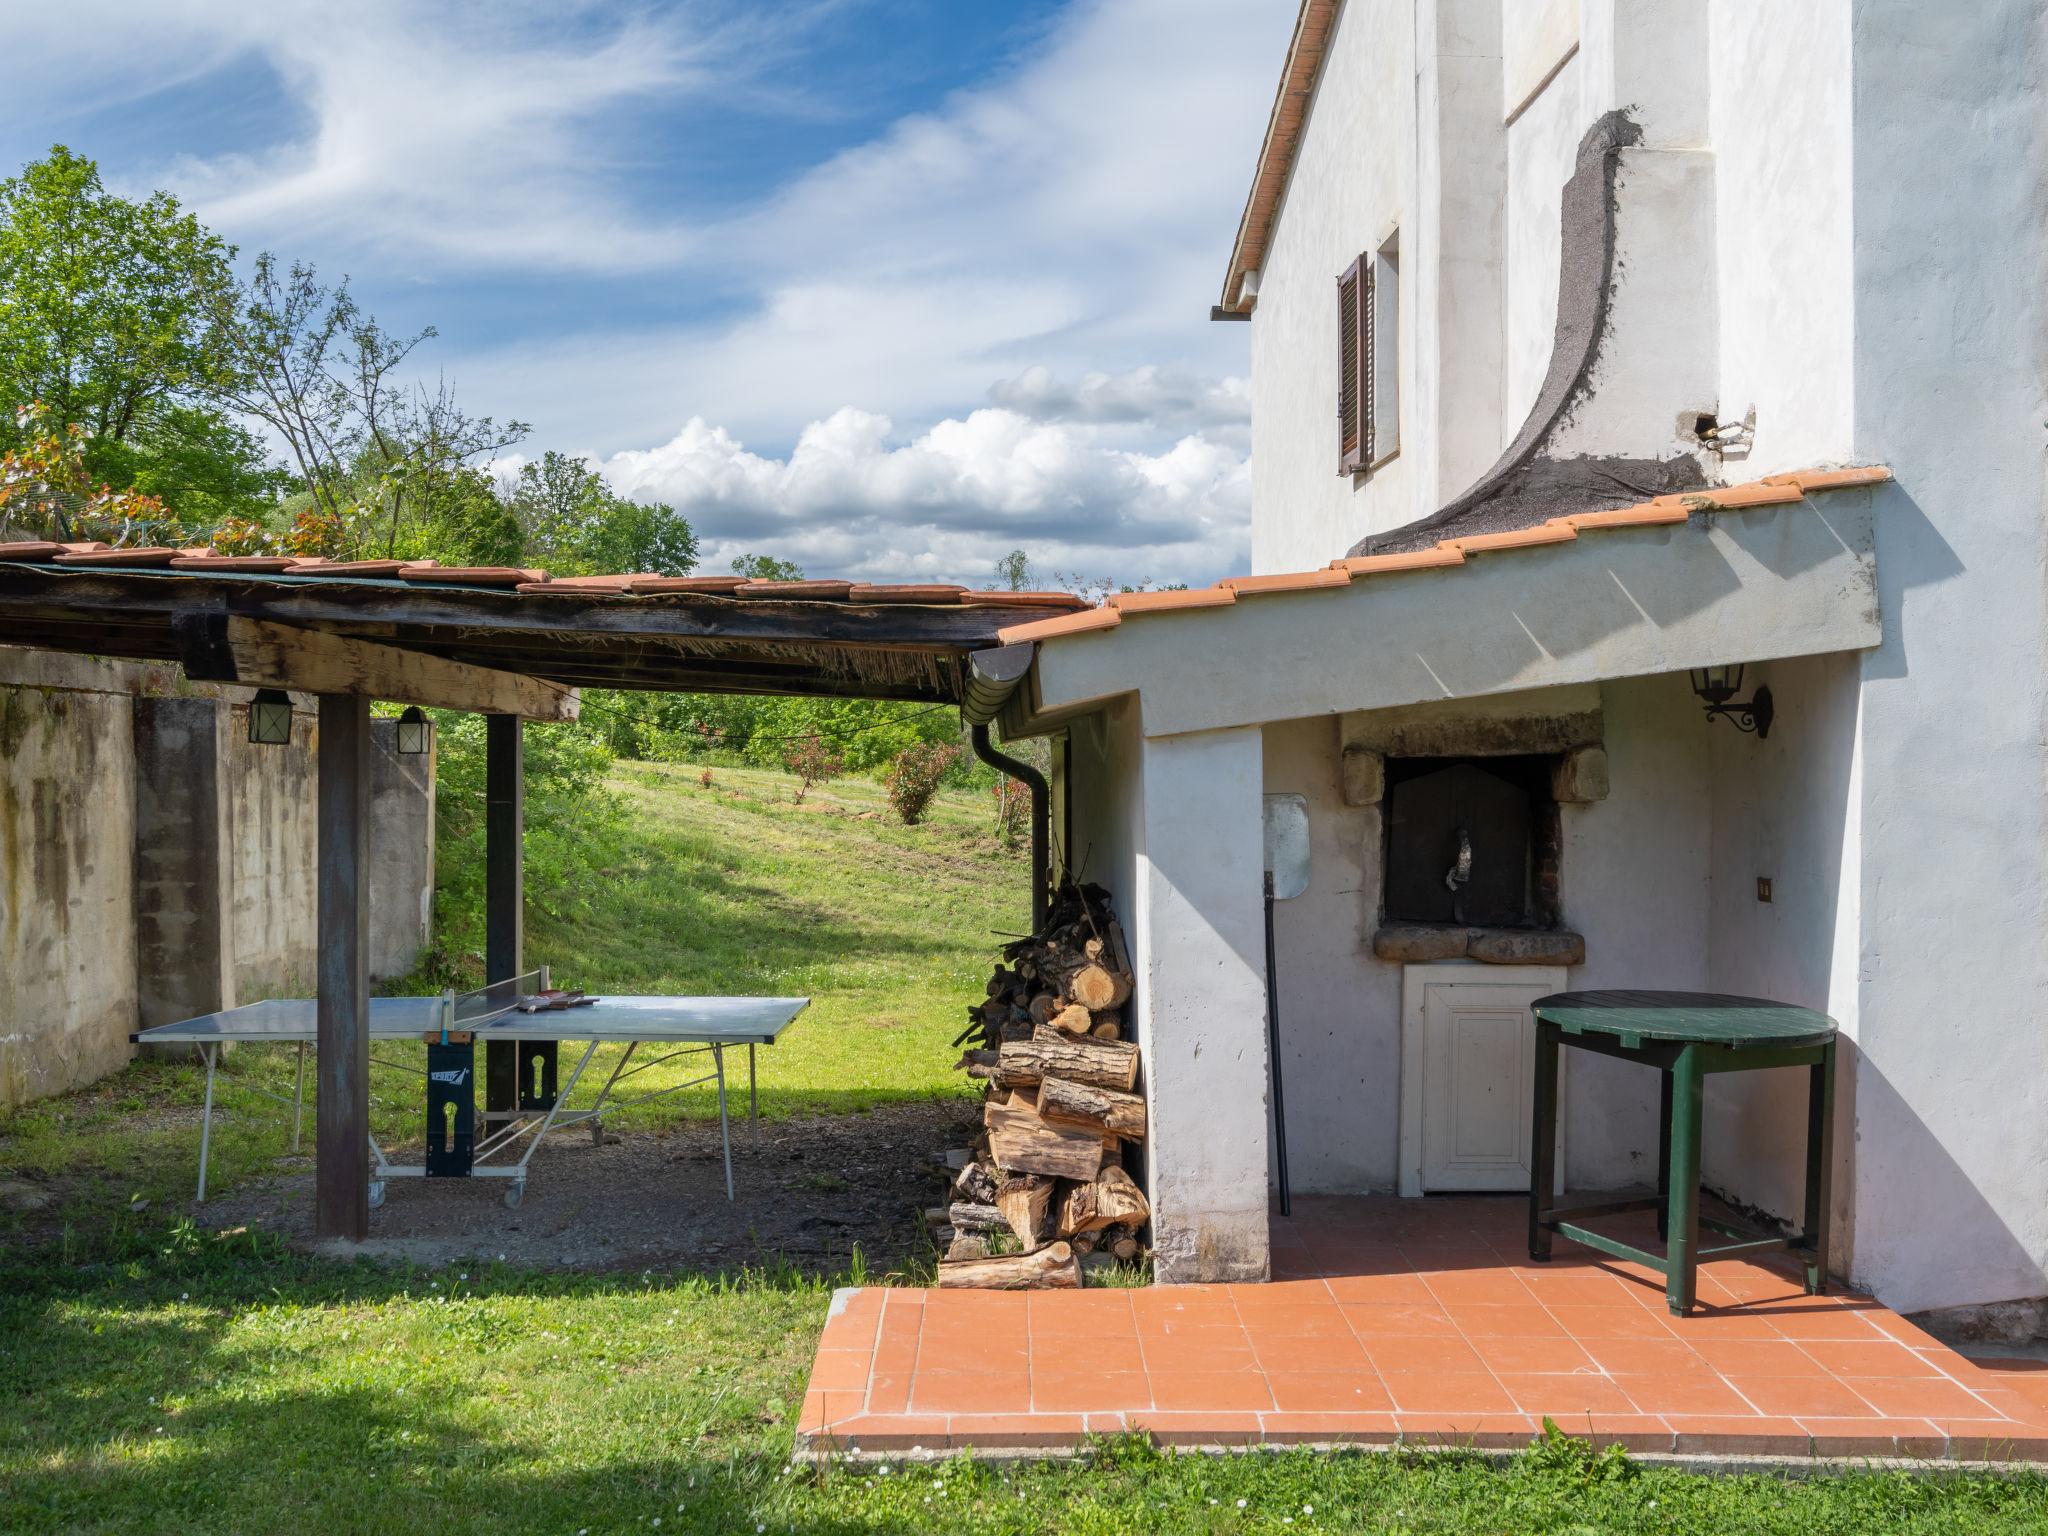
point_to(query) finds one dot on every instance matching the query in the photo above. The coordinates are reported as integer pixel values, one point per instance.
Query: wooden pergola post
(504, 890)
(342, 1106)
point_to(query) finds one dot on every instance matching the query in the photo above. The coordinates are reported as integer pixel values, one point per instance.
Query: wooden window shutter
(1354, 367)
(1351, 370)
(1368, 354)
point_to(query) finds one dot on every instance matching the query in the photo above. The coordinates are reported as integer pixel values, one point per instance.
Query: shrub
(1013, 812)
(915, 776)
(812, 762)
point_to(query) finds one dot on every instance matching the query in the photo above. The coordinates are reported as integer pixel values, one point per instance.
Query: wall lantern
(414, 732)
(1719, 685)
(270, 718)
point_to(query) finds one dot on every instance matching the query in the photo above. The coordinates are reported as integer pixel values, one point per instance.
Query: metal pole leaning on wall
(1041, 819)
(341, 1114)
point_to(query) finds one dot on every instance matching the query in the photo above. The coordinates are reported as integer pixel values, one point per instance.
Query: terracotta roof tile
(933, 593)
(1189, 597)
(1024, 599)
(1754, 494)
(29, 549)
(262, 565)
(468, 575)
(623, 582)
(714, 586)
(319, 565)
(1078, 622)
(1286, 581)
(134, 555)
(1644, 514)
(1555, 532)
(1411, 560)
(1830, 479)
(795, 591)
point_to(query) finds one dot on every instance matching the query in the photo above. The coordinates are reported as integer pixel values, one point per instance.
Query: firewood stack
(1045, 1183)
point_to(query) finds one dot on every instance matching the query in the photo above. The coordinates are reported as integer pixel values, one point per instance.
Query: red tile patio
(1416, 1322)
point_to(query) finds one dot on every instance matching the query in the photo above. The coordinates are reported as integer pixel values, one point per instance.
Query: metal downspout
(1041, 818)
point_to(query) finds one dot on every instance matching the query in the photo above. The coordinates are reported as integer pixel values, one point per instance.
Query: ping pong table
(453, 1024)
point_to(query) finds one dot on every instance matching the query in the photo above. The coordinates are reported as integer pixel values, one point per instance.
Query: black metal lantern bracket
(1717, 686)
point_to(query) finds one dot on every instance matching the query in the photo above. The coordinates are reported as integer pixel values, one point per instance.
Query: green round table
(1685, 1035)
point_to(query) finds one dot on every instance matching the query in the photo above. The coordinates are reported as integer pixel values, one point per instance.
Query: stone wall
(155, 864)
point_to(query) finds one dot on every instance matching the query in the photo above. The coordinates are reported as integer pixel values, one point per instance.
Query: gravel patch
(806, 1192)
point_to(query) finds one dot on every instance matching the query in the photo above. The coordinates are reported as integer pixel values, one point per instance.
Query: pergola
(512, 645)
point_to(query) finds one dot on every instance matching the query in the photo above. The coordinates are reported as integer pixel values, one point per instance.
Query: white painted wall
(1353, 184)
(1950, 206)
(1541, 145)
(1785, 232)
(1635, 880)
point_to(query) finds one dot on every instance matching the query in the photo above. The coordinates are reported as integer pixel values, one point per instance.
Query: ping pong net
(485, 1005)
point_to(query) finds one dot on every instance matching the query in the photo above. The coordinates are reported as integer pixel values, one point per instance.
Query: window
(1368, 378)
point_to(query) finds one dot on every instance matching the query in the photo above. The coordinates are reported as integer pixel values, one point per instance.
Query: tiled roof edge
(1771, 491)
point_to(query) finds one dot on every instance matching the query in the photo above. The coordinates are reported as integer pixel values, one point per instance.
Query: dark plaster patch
(1528, 484)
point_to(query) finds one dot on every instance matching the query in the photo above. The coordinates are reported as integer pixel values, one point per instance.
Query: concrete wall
(67, 924)
(154, 864)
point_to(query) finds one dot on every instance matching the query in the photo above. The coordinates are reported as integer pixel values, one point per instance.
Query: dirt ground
(806, 1192)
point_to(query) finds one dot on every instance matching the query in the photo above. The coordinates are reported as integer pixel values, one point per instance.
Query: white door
(1468, 1075)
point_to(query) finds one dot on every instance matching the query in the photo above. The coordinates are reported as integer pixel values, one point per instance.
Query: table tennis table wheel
(514, 1192)
(376, 1193)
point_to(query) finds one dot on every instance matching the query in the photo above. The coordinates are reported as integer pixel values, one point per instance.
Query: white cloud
(851, 500)
(428, 133)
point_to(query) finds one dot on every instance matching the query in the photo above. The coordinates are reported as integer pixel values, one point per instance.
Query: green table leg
(1682, 1242)
(1663, 1155)
(1543, 1142)
(1820, 1167)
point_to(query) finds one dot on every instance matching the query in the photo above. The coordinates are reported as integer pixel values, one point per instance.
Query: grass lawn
(157, 1378)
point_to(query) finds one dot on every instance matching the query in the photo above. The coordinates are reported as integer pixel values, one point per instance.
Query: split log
(1097, 1063)
(966, 1245)
(975, 1185)
(1021, 1142)
(1105, 1029)
(1124, 1247)
(974, 1218)
(1101, 1109)
(1053, 1267)
(1095, 987)
(1073, 1020)
(1043, 1007)
(1109, 1201)
(1026, 1204)
(1082, 1242)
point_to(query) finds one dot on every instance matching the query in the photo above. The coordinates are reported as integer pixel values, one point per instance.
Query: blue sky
(886, 286)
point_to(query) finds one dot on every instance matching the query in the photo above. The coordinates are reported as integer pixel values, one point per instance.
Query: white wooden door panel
(1467, 1075)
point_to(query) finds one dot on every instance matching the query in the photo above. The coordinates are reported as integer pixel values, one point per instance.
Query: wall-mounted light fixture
(270, 718)
(1719, 685)
(414, 732)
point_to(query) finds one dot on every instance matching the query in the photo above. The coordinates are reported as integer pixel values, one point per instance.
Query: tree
(1013, 572)
(325, 377)
(104, 320)
(767, 568)
(576, 524)
(48, 491)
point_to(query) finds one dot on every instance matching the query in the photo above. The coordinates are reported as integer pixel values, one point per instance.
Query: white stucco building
(1595, 341)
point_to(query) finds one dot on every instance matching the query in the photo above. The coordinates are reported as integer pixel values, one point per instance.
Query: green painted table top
(1686, 1018)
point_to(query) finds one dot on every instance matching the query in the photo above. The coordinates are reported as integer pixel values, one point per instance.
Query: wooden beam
(223, 648)
(341, 1112)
